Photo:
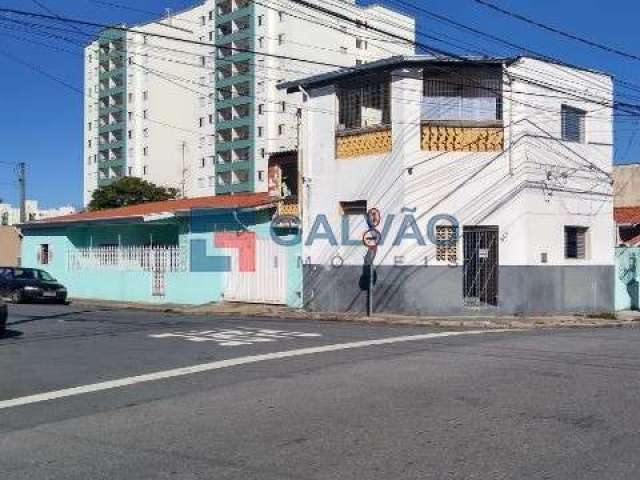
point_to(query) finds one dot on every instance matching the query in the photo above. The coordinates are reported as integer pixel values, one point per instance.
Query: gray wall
(431, 290)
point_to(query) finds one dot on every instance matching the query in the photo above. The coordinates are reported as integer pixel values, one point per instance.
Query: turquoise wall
(188, 287)
(627, 278)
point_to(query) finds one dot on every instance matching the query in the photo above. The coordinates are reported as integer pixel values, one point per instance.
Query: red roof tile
(248, 200)
(627, 215)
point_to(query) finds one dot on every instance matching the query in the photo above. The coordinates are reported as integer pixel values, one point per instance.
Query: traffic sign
(371, 238)
(373, 217)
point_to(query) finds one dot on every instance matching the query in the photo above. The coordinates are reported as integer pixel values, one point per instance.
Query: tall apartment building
(204, 117)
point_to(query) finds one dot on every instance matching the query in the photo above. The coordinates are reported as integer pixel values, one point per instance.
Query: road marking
(237, 336)
(221, 364)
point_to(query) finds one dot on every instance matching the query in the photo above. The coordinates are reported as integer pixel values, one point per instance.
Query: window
(281, 39)
(575, 242)
(365, 104)
(210, 14)
(261, 175)
(145, 132)
(260, 131)
(145, 151)
(130, 115)
(355, 207)
(573, 121)
(45, 254)
(89, 125)
(201, 182)
(281, 129)
(261, 42)
(203, 162)
(201, 121)
(446, 245)
(464, 95)
(283, 106)
(130, 134)
(145, 95)
(145, 170)
(144, 114)
(210, 118)
(263, 153)
(343, 50)
(89, 143)
(261, 109)
(203, 20)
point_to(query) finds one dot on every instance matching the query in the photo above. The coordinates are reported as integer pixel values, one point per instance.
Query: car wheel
(17, 297)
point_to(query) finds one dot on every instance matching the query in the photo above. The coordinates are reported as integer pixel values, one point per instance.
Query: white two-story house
(492, 178)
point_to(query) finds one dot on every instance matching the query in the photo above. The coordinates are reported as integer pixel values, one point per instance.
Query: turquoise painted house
(189, 251)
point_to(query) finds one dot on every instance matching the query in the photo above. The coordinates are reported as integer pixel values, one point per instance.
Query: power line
(357, 22)
(40, 71)
(557, 31)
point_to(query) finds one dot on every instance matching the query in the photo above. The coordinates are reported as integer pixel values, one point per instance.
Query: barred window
(573, 121)
(575, 242)
(366, 104)
(446, 243)
(464, 96)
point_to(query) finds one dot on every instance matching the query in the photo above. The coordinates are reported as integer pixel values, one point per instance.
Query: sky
(41, 120)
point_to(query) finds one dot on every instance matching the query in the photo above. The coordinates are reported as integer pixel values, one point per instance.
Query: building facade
(10, 215)
(189, 251)
(491, 180)
(204, 118)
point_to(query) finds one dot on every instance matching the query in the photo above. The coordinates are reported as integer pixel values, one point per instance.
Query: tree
(129, 191)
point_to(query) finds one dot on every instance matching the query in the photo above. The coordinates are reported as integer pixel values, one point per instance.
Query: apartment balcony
(242, 10)
(233, 144)
(111, 127)
(235, 80)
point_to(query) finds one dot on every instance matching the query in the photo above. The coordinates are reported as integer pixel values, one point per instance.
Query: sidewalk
(621, 319)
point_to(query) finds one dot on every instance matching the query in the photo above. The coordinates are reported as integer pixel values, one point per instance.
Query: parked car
(3, 318)
(30, 284)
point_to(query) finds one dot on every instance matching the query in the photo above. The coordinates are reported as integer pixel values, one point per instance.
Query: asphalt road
(103, 394)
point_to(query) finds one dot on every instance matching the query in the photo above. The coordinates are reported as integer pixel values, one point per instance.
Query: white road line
(232, 362)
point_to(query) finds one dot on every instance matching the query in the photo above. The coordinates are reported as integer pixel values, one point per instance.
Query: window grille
(575, 242)
(463, 96)
(573, 121)
(365, 105)
(446, 243)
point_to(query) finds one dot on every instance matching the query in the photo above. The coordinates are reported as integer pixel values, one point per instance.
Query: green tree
(129, 191)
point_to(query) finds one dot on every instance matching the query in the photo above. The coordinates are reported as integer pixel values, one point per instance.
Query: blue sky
(41, 121)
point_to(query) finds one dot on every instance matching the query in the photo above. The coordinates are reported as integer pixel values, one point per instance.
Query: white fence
(128, 259)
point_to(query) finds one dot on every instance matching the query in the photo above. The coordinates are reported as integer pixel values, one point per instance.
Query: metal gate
(268, 284)
(481, 266)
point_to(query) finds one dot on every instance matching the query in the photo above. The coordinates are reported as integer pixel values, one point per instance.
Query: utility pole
(22, 184)
(300, 178)
(184, 170)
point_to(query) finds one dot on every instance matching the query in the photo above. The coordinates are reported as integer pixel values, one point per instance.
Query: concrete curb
(268, 311)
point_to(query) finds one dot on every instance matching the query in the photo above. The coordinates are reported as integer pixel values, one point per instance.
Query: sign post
(371, 239)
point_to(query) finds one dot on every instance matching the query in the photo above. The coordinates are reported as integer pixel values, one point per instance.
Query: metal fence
(128, 259)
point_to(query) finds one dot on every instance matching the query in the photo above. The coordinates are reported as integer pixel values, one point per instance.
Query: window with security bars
(462, 96)
(575, 242)
(446, 243)
(365, 104)
(573, 122)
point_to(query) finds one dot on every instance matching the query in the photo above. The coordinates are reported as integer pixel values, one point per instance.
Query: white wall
(531, 190)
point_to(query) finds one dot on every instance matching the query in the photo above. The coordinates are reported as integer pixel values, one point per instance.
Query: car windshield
(32, 274)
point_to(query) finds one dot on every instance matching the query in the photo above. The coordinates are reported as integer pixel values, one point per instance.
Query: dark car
(30, 284)
(3, 318)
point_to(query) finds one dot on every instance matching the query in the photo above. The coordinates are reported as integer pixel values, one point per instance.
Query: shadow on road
(36, 318)
(10, 334)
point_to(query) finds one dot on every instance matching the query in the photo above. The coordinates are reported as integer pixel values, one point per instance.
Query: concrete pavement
(536, 404)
